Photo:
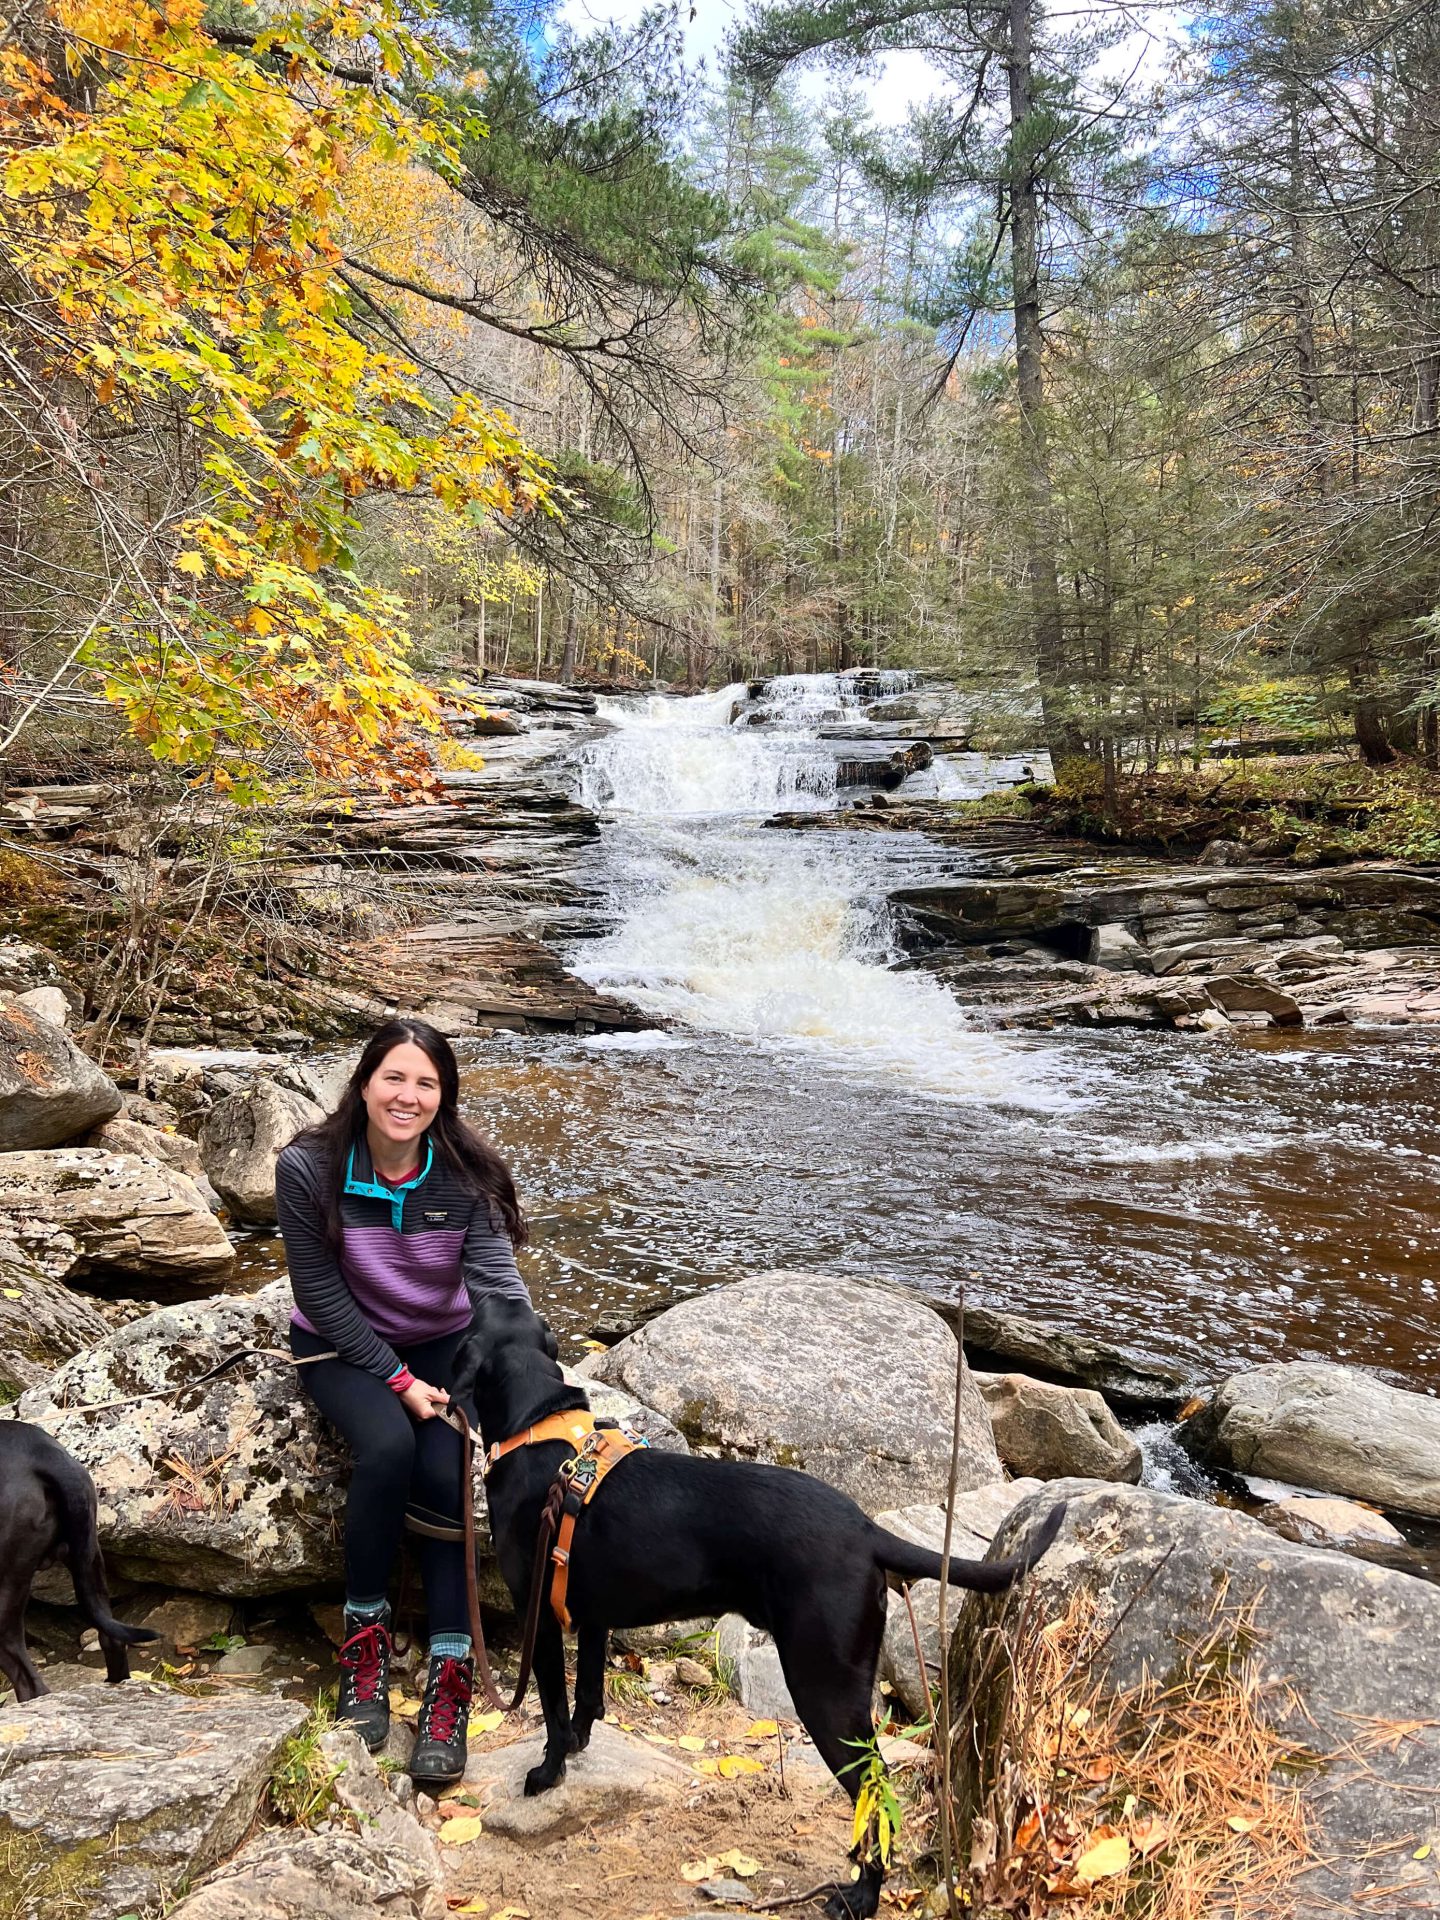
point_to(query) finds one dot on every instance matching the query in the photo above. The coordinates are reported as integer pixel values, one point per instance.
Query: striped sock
(367, 1612)
(449, 1646)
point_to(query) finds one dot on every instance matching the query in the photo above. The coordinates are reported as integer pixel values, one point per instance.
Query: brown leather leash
(549, 1520)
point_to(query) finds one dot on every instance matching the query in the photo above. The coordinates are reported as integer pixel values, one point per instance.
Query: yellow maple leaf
(192, 563)
(1104, 1859)
(462, 1830)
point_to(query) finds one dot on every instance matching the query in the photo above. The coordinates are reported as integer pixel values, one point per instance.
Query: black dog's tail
(82, 1554)
(910, 1562)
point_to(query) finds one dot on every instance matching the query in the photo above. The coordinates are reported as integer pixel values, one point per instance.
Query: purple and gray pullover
(390, 1286)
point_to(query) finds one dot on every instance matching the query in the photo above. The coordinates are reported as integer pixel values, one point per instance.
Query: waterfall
(780, 938)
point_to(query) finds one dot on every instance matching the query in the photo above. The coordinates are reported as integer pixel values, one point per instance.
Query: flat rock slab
(112, 1797)
(1071, 1358)
(1344, 1652)
(1332, 1428)
(292, 1875)
(615, 1776)
(853, 1383)
(81, 1210)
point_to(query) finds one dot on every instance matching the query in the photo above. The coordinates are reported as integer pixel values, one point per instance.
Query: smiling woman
(397, 1219)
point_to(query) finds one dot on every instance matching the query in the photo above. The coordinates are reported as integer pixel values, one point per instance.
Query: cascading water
(781, 938)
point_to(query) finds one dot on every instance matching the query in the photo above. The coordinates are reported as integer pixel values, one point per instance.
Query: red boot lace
(361, 1659)
(451, 1697)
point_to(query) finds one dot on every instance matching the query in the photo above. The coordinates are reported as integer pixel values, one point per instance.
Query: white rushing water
(779, 938)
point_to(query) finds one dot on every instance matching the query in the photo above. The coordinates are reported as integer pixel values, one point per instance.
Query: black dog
(671, 1537)
(47, 1512)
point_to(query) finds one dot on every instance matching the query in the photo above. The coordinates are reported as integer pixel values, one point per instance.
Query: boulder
(127, 1135)
(50, 1003)
(114, 1798)
(1343, 1654)
(50, 1092)
(237, 1488)
(289, 1874)
(1048, 1432)
(1335, 1429)
(81, 1211)
(1321, 1522)
(616, 1776)
(1115, 947)
(42, 1323)
(853, 1383)
(1073, 1359)
(749, 1663)
(234, 1489)
(240, 1142)
(977, 1516)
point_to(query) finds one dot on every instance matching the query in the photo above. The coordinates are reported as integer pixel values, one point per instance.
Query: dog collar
(379, 1190)
(575, 1427)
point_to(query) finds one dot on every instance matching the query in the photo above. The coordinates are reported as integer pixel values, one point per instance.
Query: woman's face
(402, 1096)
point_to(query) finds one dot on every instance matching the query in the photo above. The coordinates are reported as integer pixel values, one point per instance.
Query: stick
(947, 1855)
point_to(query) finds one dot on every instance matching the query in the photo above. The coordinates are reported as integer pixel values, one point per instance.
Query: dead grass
(1174, 1800)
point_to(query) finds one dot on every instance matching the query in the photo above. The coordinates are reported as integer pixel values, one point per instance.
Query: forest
(346, 345)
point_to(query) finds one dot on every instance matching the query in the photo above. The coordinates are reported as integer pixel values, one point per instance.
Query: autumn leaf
(697, 1870)
(1149, 1835)
(460, 1832)
(1104, 1859)
(691, 1743)
(732, 1765)
(740, 1864)
(486, 1722)
(762, 1729)
(1242, 1823)
(458, 1905)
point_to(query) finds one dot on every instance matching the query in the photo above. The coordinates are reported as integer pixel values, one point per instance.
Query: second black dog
(47, 1512)
(672, 1537)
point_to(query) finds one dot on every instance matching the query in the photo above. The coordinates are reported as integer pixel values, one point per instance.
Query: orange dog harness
(600, 1445)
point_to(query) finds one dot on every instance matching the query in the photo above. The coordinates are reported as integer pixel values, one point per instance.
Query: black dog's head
(507, 1368)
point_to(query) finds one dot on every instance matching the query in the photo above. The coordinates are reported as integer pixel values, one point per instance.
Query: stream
(811, 1105)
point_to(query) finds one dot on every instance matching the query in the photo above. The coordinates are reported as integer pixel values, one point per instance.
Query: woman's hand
(422, 1401)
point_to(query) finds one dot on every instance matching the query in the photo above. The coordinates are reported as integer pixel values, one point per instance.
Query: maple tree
(174, 275)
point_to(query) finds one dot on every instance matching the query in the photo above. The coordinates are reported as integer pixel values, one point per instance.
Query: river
(809, 1105)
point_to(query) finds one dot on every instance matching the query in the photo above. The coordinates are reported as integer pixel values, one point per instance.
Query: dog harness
(600, 1445)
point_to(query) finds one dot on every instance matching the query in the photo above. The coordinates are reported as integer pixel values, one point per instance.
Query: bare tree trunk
(1062, 732)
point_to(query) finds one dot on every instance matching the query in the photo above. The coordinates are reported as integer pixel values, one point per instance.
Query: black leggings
(400, 1462)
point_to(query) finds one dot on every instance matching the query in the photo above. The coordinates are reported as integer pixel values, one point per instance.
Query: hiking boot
(364, 1702)
(439, 1756)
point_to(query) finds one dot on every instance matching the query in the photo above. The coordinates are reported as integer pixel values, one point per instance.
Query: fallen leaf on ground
(13, 1293)
(1147, 1835)
(697, 1870)
(1421, 1853)
(486, 1722)
(1242, 1823)
(459, 1832)
(732, 1765)
(761, 1730)
(512, 1913)
(457, 1905)
(1103, 1860)
(701, 1766)
(656, 1739)
(740, 1864)
(691, 1742)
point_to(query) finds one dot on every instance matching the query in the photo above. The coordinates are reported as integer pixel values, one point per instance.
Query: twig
(947, 1854)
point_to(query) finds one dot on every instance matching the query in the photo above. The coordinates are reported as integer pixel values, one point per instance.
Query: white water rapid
(779, 938)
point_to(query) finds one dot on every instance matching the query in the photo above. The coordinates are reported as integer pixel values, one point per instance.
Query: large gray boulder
(42, 1323)
(853, 1383)
(50, 1092)
(124, 1134)
(241, 1140)
(1049, 1432)
(82, 1211)
(978, 1515)
(239, 1487)
(1343, 1654)
(1332, 1428)
(114, 1798)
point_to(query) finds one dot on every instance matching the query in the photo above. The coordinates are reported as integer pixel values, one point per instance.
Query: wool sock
(366, 1612)
(449, 1646)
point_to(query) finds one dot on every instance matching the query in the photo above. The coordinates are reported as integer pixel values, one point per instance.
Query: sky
(899, 81)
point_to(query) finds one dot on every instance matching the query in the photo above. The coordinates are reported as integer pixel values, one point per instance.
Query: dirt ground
(759, 1794)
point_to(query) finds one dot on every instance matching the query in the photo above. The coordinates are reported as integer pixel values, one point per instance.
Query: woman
(397, 1217)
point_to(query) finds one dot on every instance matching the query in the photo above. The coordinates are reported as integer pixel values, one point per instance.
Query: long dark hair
(453, 1138)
